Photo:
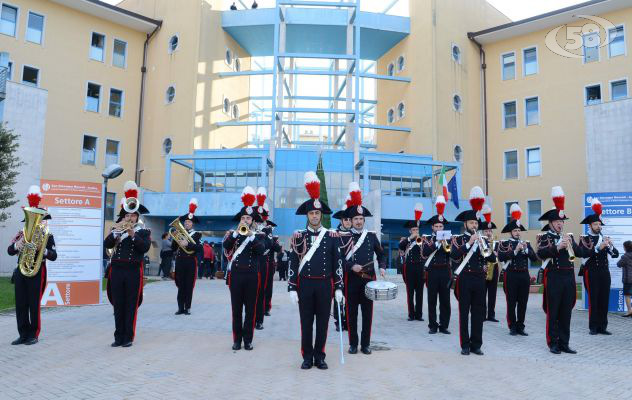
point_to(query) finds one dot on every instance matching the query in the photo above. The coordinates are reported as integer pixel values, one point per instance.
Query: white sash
(239, 250)
(548, 260)
(466, 259)
(357, 245)
(312, 250)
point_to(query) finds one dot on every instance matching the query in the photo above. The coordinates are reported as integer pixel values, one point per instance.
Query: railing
(4, 75)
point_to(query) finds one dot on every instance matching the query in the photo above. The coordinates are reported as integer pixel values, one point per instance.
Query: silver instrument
(485, 250)
(380, 290)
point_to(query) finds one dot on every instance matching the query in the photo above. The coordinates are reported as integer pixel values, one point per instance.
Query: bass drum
(380, 290)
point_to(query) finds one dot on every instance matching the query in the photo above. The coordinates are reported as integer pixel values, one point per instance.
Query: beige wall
(561, 133)
(65, 69)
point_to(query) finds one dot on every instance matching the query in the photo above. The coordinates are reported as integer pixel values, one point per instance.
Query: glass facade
(228, 174)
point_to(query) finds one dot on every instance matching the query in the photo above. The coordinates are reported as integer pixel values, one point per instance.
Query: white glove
(294, 297)
(235, 234)
(339, 297)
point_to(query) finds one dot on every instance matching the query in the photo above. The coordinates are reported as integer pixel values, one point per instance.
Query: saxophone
(178, 233)
(35, 236)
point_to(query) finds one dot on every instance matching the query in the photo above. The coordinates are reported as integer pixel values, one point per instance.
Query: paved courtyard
(189, 357)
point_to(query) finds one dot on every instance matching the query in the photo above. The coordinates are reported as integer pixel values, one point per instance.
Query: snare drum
(380, 290)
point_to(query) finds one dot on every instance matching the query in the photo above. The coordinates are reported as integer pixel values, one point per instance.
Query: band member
(315, 270)
(360, 270)
(130, 241)
(491, 279)
(438, 272)
(186, 251)
(261, 197)
(272, 246)
(344, 229)
(243, 249)
(514, 255)
(595, 248)
(557, 250)
(469, 253)
(413, 270)
(33, 245)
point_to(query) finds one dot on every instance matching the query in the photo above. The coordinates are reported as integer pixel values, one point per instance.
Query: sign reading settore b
(77, 216)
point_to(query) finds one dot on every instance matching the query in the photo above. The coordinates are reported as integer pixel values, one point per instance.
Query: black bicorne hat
(557, 213)
(193, 204)
(248, 199)
(312, 185)
(597, 208)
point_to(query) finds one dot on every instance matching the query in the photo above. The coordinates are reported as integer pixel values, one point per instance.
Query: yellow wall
(561, 133)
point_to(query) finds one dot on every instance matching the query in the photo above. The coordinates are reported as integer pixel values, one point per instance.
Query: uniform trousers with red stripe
(264, 267)
(414, 278)
(516, 287)
(438, 287)
(125, 284)
(186, 274)
(314, 303)
(244, 289)
(597, 282)
(561, 293)
(28, 294)
(470, 292)
(357, 299)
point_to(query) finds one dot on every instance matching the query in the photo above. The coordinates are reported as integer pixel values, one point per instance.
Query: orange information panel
(77, 225)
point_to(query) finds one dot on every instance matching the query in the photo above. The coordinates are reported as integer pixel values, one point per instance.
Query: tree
(9, 163)
(320, 172)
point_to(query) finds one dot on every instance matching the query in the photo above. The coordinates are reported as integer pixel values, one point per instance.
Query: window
(508, 210)
(116, 103)
(509, 115)
(97, 46)
(511, 164)
(593, 95)
(530, 59)
(534, 165)
(170, 95)
(619, 89)
(35, 28)
(390, 70)
(226, 105)
(458, 153)
(401, 63)
(111, 152)
(591, 47)
(30, 75)
(119, 54)
(93, 97)
(532, 108)
(401, 110)
(10, 71)
(509, 66)
(228, 57)
(235, 111)
(456, 53)
(110, 205)
(166, 146)
(616, 47)
(8, 20)
(534, 210)
(89, 154)
(173, 43)
(390, 116)
(237, 65)
(456, 102)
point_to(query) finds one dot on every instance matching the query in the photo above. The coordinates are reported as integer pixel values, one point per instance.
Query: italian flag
(444, 184)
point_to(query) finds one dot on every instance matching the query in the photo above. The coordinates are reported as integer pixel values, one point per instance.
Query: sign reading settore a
(77, 223)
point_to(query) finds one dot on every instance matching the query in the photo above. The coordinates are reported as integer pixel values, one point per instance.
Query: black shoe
(593, 331)
(566, 349)
(187, 312)
(432, 331)
(267, 313)
(521, 332)
(179, 312)
(237, 346)
(605, 332)
(116, 344)
(491, 320)
(411, 318)
(31, 341)
(444, 331)
(321, 364)
(555, 350)
(478, 352)
(17, 341)
(353, 349)
(307, 364)
(366, 350)
(419, 318)
(248, 346)
(127, 344)
(259, 326)
(513, 332)
(465, 352)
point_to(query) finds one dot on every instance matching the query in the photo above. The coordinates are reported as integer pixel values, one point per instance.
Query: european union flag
(454, 194)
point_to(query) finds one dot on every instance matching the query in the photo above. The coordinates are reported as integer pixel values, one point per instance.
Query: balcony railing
(4, 75)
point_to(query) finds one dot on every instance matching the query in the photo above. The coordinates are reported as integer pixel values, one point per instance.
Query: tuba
(178, 233)
(35, 236)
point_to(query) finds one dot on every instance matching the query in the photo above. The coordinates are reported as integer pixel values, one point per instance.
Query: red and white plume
(248, 196)
(516, 213)
(130, 189)
(440, 205)
(557, 194)
(477, 198)
(355, 193)
(487, 213)
(34, 196)
(347, 202)
(265, 214)
(262, 195)
(193, 205)
(312, 185)
(419, 210)
(596, 206)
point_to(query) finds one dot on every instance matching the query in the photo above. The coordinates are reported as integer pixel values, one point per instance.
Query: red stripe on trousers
(39, 303)
(140, 289)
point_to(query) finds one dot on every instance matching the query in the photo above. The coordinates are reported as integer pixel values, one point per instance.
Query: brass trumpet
(419, 240)
(243, 230)
(123, 227)
(447, 247)
(485, 250)
(569, 249)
